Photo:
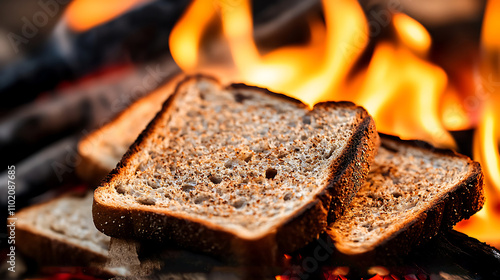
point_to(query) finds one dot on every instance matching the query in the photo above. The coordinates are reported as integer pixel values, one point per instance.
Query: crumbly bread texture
(61, 232)
(413, 191)
(103, 148)
(240, 167)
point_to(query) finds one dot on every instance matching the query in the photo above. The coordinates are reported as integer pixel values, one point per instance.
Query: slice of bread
(61, 232)
(413, 191)
(237, 170)
(102, 149)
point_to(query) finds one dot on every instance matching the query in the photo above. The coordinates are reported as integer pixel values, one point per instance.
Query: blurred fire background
(424, 69)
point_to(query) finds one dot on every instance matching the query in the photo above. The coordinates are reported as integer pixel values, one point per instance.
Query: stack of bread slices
(237, 171)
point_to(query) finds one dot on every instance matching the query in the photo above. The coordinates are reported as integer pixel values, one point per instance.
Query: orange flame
(305, 72)
(401, 90)
(453, 114)
(486, 224)
(82, 15)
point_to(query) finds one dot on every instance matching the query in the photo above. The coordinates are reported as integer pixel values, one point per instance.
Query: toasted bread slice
(61, 232)
(237, 170)
(413, 191)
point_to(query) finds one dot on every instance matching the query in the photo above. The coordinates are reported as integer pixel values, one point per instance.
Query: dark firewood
(43, 170)
(78, 109)
(136, 36)
(455, 255)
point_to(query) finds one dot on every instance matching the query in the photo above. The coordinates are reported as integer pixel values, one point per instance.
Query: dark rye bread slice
(236, 170)
(413, 192)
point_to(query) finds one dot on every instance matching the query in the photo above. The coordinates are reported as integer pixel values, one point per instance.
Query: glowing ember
(82, 15)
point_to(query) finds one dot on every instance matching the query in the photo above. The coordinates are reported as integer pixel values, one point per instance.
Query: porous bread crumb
(240, 158)
(404, 181)
(69, 219)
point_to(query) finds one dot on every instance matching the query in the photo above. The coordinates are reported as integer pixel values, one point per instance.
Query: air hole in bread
(200, 198)
(238, 203)
(248, 158)
(153, 183)
(146, 200)
(142, 167)
(328, 153)
(368, 226)
(306, 119)
(282, 154)
(396, 194)
(189, 186)
(121, 189)
(240, 97)
(228, 163)
(215, 179)
(271, 173)
(153, 155)
(287, 196)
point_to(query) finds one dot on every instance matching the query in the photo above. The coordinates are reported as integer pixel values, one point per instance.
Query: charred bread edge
(466, 198)
(46, 249)
(202, 236)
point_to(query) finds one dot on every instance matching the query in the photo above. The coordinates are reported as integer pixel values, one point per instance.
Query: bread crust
(466, 198)
(304, 225)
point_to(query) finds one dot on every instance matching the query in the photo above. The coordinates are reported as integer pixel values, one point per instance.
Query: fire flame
(401, 90)
(82, 15)
(486, 224)
(405, 93)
